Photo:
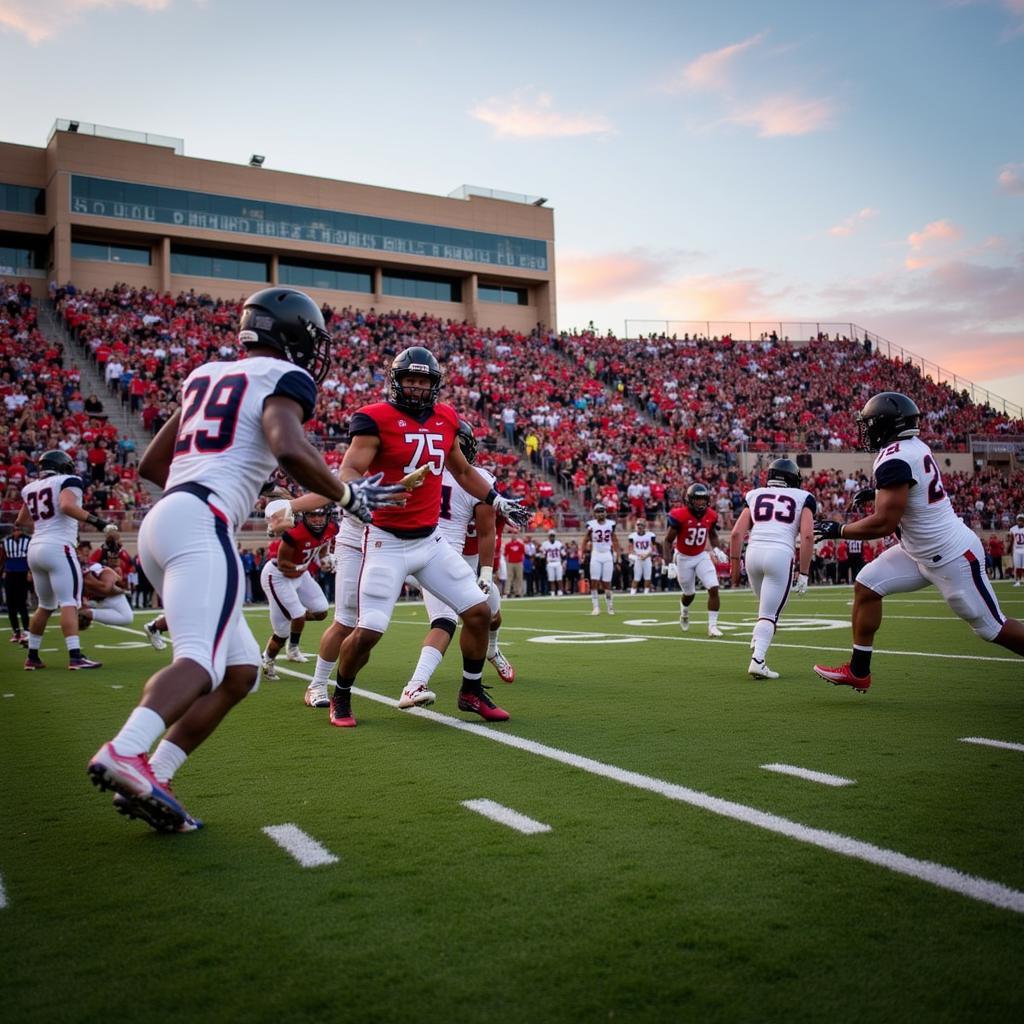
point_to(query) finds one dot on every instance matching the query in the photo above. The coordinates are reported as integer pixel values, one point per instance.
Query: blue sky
(706, 162)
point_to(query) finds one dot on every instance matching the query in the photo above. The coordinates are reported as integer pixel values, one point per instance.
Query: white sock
(763, 633)
(139, 733)
(34, 642)
(608, 598)
(166, 760)
(492, 643)
(430, 658)
(72, 643)
(323, 671)
(593, 597)
(712, 620)
(268, 655)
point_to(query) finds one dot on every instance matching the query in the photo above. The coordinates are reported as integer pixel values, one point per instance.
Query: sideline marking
(506, 816)
(304, 848)
(8, 694)
(982, 742)
(805, 773)
(981, 889)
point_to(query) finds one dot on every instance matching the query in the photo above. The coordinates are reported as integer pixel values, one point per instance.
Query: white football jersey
(643, 543)
(457, 508)
(553, 550)
(775, 514)
(42, 498)
(932, 532)
(601, 536)
(1017, 536)
(220, 441)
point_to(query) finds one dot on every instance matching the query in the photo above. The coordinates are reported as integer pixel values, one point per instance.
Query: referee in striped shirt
(15, 551)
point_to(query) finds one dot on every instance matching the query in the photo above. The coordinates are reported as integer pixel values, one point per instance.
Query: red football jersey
(691, 532)
(305, 544)
(406, 443)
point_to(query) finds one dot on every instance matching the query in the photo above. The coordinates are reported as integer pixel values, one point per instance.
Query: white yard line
(506, 816)
(304, 848)
(981, 889)
(1002, 744)
(805, 773)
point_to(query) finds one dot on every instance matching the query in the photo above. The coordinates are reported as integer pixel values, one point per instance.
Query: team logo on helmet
(415, 360)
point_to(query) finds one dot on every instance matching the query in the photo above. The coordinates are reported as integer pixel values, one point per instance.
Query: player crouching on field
(774, 516)
(102, 586)
(293, 595)
(935, 546)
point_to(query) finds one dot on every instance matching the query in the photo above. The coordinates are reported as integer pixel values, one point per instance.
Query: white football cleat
(714, 631)
(269, 669)
(684, 619)
(316, 696)
(596, 611)
(158, 642)
(760, 670)
(503, 667)
(416, 695)
(294, 654)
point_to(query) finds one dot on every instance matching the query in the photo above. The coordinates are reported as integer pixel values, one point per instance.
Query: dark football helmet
(290, 322)
(467, 440)
(415, 360)
(888, 416)
(316, 519)
(600, 512)
(785, 472)
(56, 461)
(698, 497)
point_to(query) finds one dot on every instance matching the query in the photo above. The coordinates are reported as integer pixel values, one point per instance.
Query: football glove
(511, 510)
(363, 496)
(801, 584)
(486, 576)
(672, 572)
(827, 529)
(865, 496)
(327, 563)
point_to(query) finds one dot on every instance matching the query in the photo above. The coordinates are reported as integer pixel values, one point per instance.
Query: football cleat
(316, 696)
(132, 808)
(294, 654)
(611, 611)
(158, 642)
(341, 709)
(596, 611)
(760, 670)
(684, 619)
(269, 669)
(82, 662)
(33, 664)
(482, 705)
(15, 638)
(840, 675)
(23, 639)
(416, 695)
(132, 777)
(714, 631)
(503, 667)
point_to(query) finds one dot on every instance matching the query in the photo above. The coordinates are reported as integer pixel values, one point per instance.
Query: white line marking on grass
(116, 686)
(3, 894)
(805, 773)
(506, 816)
(305, 849)
(8, 694)
(981, 889)
(981, 741)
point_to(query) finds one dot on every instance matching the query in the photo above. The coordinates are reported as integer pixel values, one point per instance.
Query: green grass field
(679, 880)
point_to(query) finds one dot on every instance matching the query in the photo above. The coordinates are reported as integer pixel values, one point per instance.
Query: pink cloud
(785, 114)
(1011, 178)
(607, 276)
(39, 22)
(712, 70)
(529, 115)
(850, 224)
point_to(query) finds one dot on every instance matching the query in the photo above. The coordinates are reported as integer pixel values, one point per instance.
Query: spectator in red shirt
(515, 552)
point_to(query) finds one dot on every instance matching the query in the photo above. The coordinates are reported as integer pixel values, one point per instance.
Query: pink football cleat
(841, 675)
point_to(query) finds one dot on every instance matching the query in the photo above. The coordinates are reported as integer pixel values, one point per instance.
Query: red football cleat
(77, 664)
(840, 675)
(341, 709)
(32, 664)
(482, 705)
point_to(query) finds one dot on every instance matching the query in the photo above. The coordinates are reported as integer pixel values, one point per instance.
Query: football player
(641, 550)
(103, 587)
(935, 546)
(294, 596)
(413, 431)
(53, 509)
(775, 516)
(554, 554)
(603, 547)
(237, 422)
(690, 526)
(462, 516)
(1017, 547)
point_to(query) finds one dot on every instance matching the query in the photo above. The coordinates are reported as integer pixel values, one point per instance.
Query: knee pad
(446, 624)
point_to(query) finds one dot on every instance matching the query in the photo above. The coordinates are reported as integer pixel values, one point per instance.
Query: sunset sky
(812, 161)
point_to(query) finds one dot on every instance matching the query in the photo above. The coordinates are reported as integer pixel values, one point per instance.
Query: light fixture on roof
(72, 126)
(256, 160)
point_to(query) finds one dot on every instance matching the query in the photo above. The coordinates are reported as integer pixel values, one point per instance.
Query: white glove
(485, 578)
(363, 496)
(327, 563)
(672, 572)
(801, 584)
(511, 510)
